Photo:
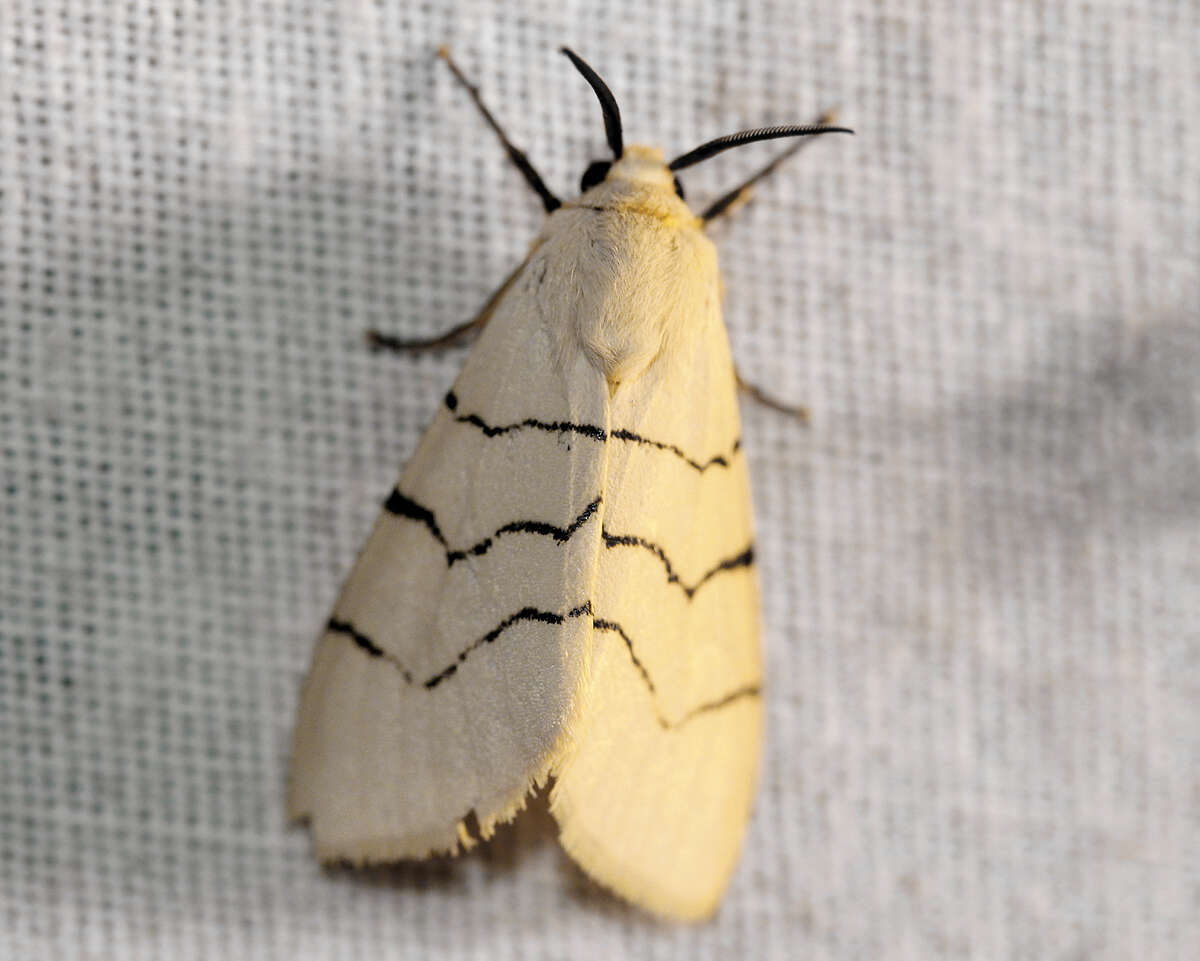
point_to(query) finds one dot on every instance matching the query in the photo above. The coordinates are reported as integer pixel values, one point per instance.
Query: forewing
(449, 675)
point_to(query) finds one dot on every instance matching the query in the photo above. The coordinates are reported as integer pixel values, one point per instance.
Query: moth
(561, 587)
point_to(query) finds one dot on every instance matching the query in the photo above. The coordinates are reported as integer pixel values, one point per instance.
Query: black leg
(757, 394)
(450, 338)
(520, 161)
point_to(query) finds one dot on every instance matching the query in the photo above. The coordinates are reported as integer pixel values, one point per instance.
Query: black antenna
(608, 103)
(714, 147)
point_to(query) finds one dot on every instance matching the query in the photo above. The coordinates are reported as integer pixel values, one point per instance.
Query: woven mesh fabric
(981, 562)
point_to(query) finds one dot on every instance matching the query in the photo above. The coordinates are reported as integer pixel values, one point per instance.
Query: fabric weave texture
(981, 562)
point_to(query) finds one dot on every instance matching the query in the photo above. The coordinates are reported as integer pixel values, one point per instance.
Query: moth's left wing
(449, 676)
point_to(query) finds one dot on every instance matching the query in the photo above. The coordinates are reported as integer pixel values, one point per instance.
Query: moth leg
(450, 338)
(756, 393)
(520, 161)
(739, 195)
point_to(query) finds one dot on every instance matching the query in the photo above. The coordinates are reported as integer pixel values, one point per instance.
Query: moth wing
(450, 673)
(654, 796)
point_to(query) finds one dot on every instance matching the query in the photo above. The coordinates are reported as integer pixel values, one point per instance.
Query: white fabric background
(981, 562)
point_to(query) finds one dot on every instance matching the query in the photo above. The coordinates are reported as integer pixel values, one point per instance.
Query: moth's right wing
(449, 676)
(654, 796)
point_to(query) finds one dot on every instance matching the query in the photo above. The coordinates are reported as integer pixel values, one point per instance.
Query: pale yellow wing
(448, 678)
(654, 796)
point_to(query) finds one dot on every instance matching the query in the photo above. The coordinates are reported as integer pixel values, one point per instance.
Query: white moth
(561, 585)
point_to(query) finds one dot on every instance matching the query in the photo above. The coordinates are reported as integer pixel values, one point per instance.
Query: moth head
(645, 164)
(628, 168)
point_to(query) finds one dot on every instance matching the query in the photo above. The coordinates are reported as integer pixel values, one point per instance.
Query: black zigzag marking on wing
(364, 642)
(524, 614)
(737, 694)
(719, 460)
(553, 427)
(592, 431)
(744, 559)
(545, 617)
(403, 506)
(747, 690)
(400, 505)
(600, 624)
